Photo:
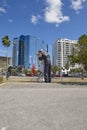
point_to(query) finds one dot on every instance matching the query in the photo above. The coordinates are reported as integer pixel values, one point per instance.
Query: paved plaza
(43, 106)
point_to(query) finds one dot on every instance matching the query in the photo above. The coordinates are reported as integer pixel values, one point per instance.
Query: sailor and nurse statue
(44, 65)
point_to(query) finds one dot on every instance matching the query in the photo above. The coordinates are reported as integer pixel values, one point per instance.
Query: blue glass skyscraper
(28, 47)
(23, 57)
(15, 51)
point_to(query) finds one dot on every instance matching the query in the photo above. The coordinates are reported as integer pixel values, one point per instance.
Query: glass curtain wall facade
(23, 57)
(22, 51)
(28, 47)
(35, 45)
(15, 51)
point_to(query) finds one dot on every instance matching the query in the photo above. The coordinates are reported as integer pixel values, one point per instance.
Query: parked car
(22, 75)
(30, 75)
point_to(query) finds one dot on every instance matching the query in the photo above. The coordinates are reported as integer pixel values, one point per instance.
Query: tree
(67, 65)
(6, 43)
(74, 57)
(82, 42)
(79, 53)
(54, 69)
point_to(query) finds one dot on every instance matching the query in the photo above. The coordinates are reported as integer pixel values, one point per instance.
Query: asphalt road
(43, 106)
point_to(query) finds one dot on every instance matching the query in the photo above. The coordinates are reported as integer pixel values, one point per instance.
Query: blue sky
(46, 19)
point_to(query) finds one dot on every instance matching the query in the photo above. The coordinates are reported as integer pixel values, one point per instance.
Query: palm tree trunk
(7, 58)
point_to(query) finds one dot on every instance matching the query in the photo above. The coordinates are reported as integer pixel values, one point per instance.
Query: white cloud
(35, 19)
(2, 10)
(53, 12)
(77, 4)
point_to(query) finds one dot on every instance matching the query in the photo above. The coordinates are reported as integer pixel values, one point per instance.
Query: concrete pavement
(43, 106)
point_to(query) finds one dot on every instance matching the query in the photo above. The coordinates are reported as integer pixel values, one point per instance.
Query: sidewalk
(62, 80)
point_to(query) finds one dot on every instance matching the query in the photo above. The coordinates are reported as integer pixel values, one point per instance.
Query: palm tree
(6, 43)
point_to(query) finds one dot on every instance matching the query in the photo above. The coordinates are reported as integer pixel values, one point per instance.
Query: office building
(15, 51)
(25, 49)
(3, 61)
(61, 49)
